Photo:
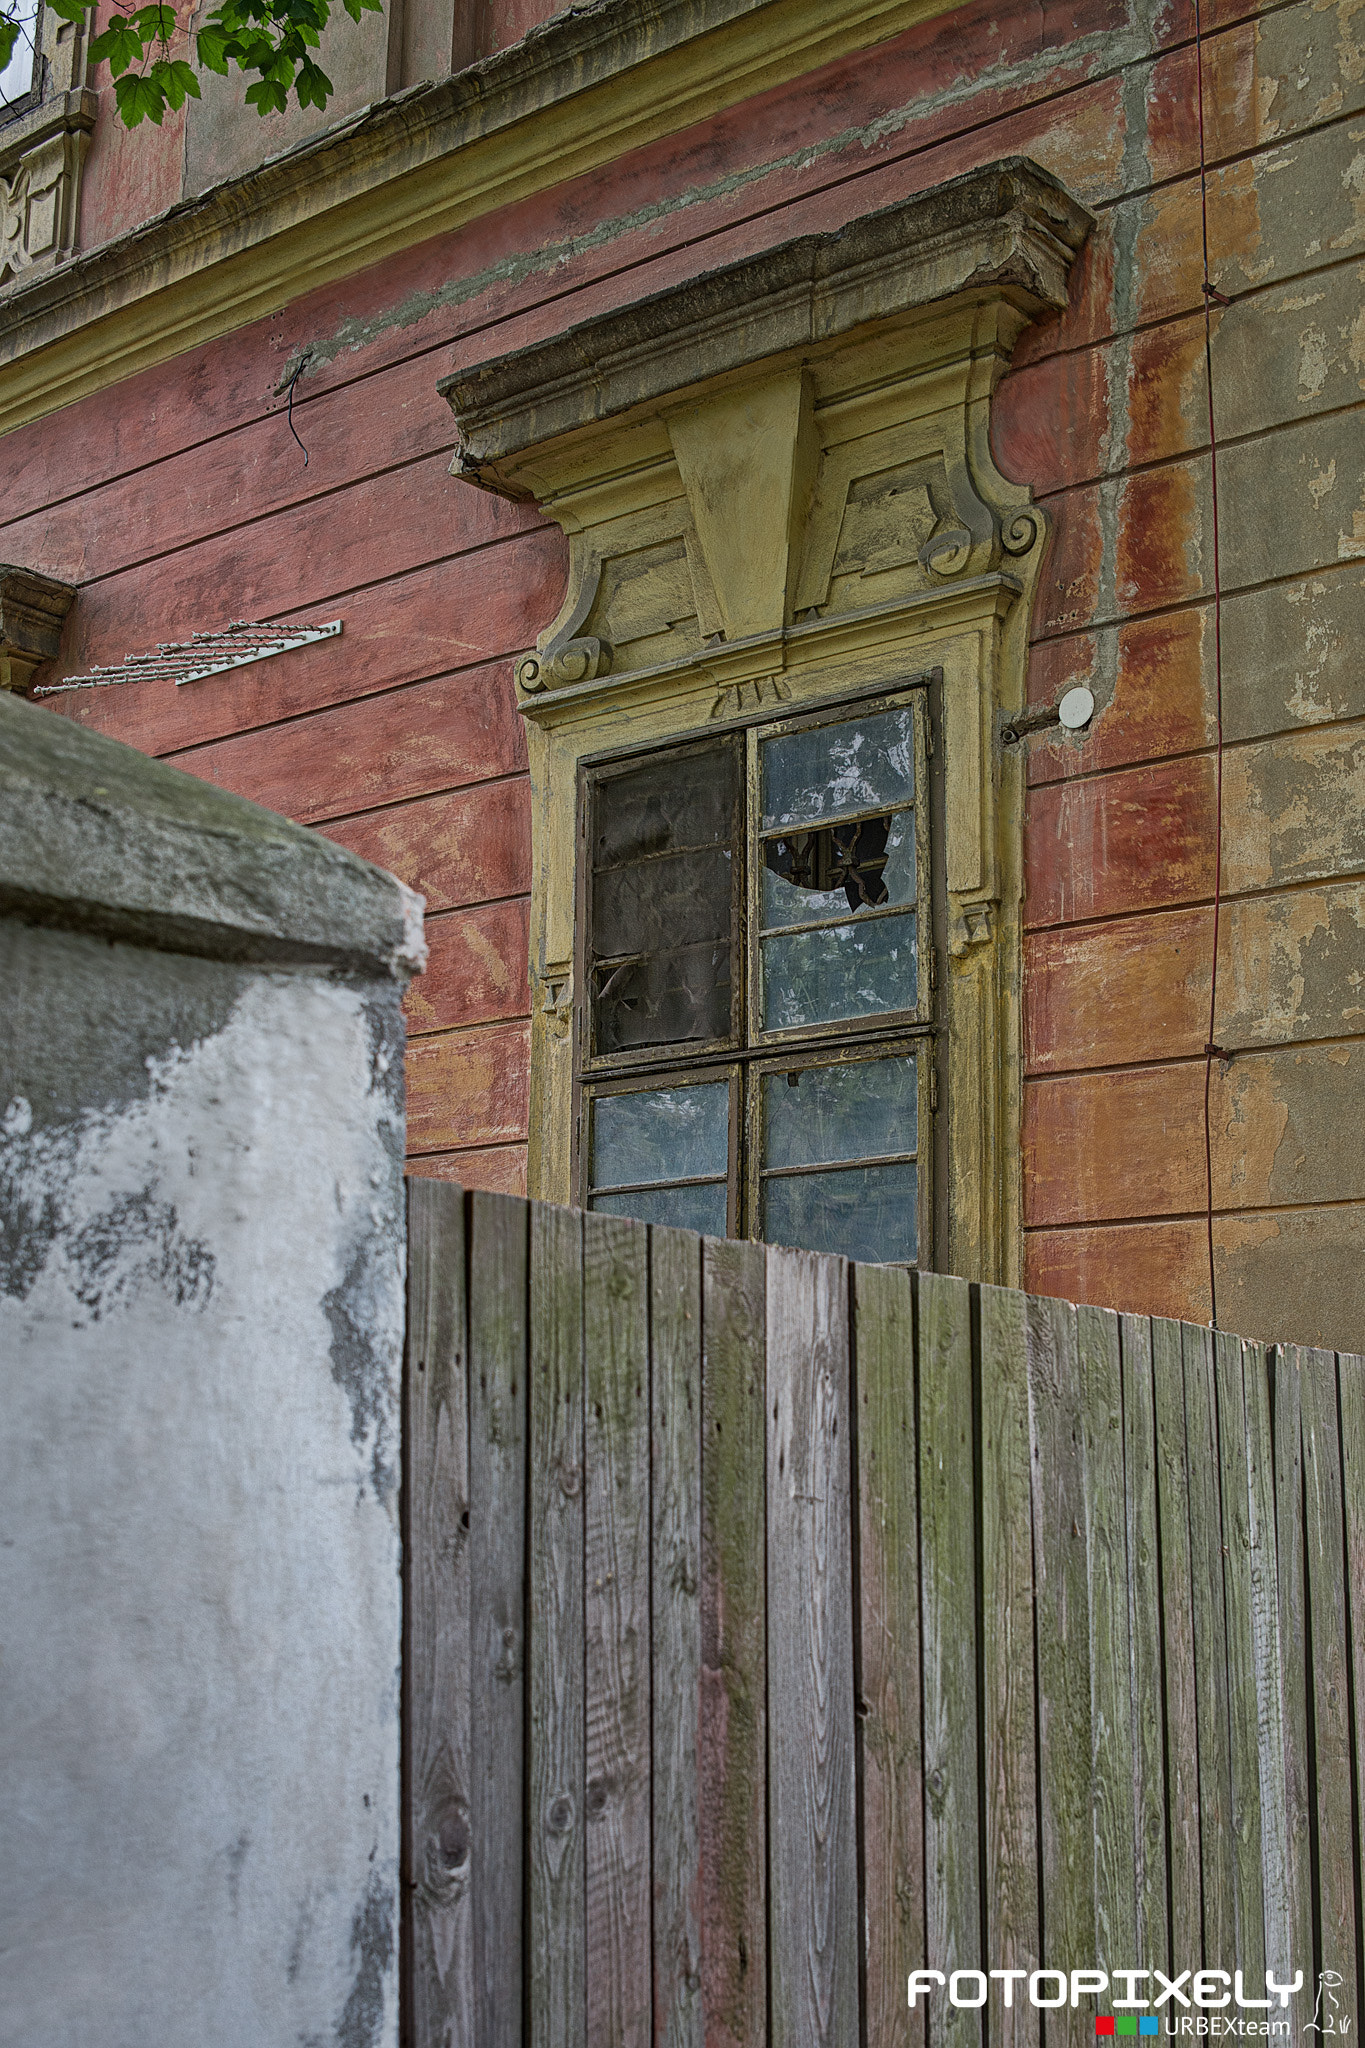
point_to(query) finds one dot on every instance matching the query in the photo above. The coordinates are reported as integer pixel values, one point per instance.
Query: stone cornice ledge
(1008, 227)
(614, 73)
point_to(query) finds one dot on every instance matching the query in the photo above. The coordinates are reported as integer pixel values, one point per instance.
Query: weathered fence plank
(675, 1427)
(1217, 1863)
(1235, 1450)
(1146, 1686)
(952, 1817)
(497, 1581)
(1064, 1678)
(1329, 1661)
(813, 1866)
(436, 1623)
(775, 1629)
(1298, 1797)
(1013, 1934)
(733, 1749)
(616, 1632)
(1267, 1659)
(889, 1678)
(556, 1932)
(1177, 1608)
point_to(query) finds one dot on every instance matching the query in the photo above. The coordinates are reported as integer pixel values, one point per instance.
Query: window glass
(863, 864)
(662, 901)
(830, 771)
(839, 971)
(661, 1134)
(859, 1109)
(17, 77)
(861, 1212)
(692, 1208)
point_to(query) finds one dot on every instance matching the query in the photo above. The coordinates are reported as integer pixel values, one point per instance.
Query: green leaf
(155, 24)
(267, 97)
(176, 79)
(9, 36)
(210, 50)
(355, 8)
(312, 88)
(139, 99)
(118, 47)
(70, 10)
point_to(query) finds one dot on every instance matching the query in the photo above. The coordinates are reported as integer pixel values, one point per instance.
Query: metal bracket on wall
(205, 654)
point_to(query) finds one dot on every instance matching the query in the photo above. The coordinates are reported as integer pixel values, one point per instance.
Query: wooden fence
(776, 1627)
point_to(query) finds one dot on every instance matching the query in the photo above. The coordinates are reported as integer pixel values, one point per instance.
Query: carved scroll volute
(565, 655)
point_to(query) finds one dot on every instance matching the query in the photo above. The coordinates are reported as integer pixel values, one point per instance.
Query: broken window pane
(692, 1208)
(857, 1110)
(659, 1134)
(662, 900)
(862, 1212)
(846, 970)
(864, 863)
(828, 771)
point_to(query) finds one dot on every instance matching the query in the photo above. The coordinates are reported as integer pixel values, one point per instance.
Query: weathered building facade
(801, 365)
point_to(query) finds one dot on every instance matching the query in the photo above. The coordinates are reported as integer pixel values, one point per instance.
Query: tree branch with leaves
(268, 41)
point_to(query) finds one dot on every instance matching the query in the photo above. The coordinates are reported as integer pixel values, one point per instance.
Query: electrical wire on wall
(1212, 298)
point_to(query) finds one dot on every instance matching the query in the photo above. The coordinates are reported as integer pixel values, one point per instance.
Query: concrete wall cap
(95, 836)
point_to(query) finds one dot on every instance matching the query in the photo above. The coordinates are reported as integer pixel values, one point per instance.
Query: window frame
(750, 1052)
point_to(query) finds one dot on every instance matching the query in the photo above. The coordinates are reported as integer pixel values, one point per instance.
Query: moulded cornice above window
(1009, 227)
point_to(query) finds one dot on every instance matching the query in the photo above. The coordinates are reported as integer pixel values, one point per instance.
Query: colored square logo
(1127, 2024)
(1148, 2025)
(1104, 2025)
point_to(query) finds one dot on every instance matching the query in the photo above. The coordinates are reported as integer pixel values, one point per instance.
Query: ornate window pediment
(778, 490)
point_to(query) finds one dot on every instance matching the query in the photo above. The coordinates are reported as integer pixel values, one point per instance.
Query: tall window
(21, 73)
(753, 1032)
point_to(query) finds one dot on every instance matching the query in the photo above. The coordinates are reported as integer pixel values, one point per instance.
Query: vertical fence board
(813, 1877)
(1289, 1509)
(1173, 1509)
(497, 1568)
(1243, 1695)
(1267, 1657)
(1351, 1383)
(675, 1619)
(1146, 1689)
(616, 1631)
(734, 1793)
(1216, 1861)
(889, 1679)
(1013, 1940)
(952, 1872)
(1330, 1664)
(436, 1660)
(556, 1934)
(1064, 1683)
(1110, 1653)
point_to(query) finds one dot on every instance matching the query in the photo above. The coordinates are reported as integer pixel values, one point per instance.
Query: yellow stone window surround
(778, 489)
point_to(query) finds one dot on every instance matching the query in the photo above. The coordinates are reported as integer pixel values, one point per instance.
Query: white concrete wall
(201, 1275)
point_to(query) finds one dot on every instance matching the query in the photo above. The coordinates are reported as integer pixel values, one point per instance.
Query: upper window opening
(20, 74)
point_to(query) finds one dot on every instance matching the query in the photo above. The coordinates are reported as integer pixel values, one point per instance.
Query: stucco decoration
(42, 152)
(778, 489)
(32, 610)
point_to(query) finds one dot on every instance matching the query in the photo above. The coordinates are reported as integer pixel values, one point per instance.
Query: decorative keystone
(32, 611)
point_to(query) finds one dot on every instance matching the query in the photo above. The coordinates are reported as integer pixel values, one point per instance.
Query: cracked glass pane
(864, 864)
